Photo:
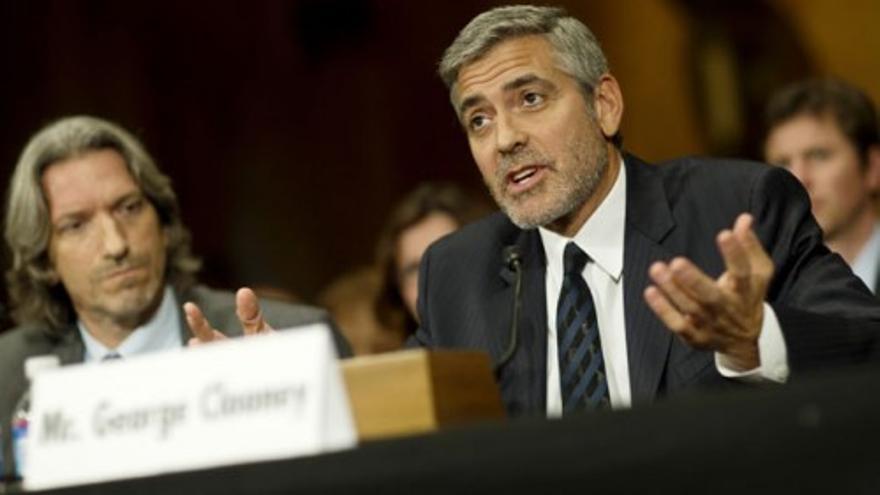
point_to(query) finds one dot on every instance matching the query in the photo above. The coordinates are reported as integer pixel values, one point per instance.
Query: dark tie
(111, 356)
(581, 365)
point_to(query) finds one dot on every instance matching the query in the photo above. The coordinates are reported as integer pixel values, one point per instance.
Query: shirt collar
(601, 236)
(161, 332)
(865, 264)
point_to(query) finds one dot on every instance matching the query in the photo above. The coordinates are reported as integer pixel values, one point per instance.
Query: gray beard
(566, 193)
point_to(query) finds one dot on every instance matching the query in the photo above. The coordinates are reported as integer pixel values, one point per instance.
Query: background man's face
(815, 150)
(106, 245)
(537, 146)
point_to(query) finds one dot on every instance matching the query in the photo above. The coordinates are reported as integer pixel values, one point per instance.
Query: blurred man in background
(824, 131)
(375, 305)
(102, 261)
(429, 212)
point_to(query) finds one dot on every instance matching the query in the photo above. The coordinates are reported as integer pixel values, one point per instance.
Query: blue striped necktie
(581, 365)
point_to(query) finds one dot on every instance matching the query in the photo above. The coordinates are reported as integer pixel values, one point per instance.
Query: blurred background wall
(291, 127)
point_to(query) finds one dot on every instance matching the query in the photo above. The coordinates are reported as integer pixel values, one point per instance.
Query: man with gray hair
(599, 260)
(101, 259)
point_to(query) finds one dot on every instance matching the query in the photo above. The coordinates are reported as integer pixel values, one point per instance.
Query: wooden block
(417, 391)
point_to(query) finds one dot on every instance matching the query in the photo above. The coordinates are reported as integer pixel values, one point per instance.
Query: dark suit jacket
(675, 209)
(19, 343)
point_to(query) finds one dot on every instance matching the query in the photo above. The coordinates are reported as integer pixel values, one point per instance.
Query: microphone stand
(513, 260)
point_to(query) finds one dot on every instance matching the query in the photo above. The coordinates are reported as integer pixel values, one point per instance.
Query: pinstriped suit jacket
(827, 315)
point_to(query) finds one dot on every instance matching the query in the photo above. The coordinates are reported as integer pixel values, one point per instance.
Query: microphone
(512, 259)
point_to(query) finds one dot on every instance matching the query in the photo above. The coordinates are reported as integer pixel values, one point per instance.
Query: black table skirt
(815, 434)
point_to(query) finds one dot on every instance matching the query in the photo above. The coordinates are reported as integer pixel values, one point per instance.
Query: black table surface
(817, 434)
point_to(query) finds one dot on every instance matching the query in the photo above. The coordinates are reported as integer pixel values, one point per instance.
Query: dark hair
(426, 199)
(850, 107)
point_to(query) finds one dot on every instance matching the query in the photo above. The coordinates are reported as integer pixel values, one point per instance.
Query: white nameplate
(242, 400)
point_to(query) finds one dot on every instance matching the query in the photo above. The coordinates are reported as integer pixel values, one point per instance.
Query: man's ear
(872, 168)
(608, 102)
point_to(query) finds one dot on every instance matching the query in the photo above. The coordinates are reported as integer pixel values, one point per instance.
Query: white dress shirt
(866, 263)
(601, 237)
(162, 332)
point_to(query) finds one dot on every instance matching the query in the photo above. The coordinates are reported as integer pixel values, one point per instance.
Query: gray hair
(35, 294)
(577, 50)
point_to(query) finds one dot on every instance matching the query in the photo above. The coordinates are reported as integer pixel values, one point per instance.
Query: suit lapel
(648, 221)
(183, 297)
(68, 345)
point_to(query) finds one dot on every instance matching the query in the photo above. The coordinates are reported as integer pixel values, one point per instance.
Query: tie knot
(574, 259)
(111, 356)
